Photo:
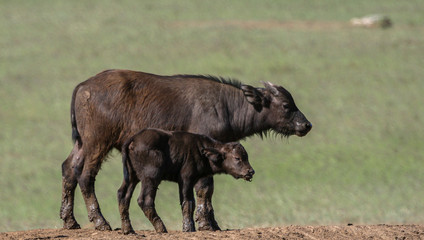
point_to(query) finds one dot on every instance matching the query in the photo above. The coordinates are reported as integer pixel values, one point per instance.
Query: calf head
(231, 158)
(282, 114)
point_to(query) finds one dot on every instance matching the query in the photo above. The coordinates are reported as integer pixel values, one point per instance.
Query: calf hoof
(208, 226)
(205, 220)
(71, 225)
(103, 226)
(128, 231)
(188, 227)
(205, 227)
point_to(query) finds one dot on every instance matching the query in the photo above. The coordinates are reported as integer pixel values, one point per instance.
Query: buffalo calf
(154, 155)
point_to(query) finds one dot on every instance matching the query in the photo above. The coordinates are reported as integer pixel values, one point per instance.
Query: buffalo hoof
(215, 226)
(160, 228)
(71, 225)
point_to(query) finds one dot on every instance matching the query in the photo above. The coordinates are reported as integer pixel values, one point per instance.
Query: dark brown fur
(154, 155)
(112, 106)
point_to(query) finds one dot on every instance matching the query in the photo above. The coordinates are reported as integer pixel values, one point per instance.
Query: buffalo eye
(238, 159)
(286, 107)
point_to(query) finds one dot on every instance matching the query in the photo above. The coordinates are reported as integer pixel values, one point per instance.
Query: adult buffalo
(112, 106)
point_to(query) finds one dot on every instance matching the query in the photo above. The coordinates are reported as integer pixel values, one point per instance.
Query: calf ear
(212, 154)
(252, 95)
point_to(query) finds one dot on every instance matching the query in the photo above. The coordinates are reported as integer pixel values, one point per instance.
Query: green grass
(361, 88)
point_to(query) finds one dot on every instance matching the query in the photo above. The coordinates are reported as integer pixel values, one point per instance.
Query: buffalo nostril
(251, 171)
(308, 125)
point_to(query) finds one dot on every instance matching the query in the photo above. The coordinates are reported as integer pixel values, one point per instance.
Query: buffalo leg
(71, 168)
(86, 183)
(146, 201)
(205, 217)
(125, 193)
(187, 206)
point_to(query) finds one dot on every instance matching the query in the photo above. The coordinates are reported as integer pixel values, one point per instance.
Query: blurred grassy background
(361, 88)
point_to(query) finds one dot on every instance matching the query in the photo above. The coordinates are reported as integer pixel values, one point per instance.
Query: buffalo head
(277, 106)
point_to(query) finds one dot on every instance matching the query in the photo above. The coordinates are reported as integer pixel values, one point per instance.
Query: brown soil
(382, 231)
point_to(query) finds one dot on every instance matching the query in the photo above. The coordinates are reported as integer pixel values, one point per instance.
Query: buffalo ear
(271, 88)
(212, 154)
(253, 95)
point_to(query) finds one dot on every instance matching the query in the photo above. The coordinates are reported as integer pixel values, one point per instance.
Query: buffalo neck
(245, 120)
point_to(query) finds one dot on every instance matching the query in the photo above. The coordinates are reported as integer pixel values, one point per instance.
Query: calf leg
(187, 206)
(146, 201)
(86, 182)
(205, 217)
(124, 198)
(71, 168)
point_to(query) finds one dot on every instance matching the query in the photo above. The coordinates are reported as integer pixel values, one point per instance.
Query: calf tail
(76, 137)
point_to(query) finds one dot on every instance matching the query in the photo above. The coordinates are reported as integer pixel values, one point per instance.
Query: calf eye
(238, 159)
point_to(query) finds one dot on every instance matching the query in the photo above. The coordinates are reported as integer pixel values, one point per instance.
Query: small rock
(375, 20)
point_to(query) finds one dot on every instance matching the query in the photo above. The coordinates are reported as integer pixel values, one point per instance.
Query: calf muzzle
(249, 175)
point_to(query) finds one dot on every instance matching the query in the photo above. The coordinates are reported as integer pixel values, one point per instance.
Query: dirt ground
(382, 231)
